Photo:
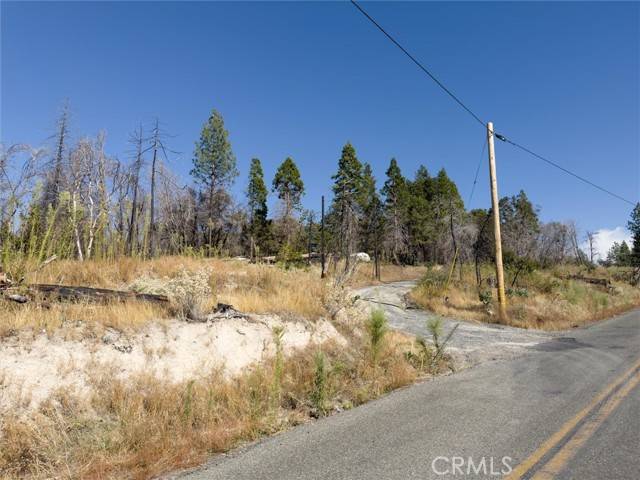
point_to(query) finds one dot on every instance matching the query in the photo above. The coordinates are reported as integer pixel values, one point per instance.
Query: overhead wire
(478, 119)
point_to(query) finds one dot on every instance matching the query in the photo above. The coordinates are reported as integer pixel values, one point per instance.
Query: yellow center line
(569, 425)
(567, 452)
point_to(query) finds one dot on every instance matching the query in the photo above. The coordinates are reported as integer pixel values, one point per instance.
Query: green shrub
(485, 297)
(320, 377)
(376, 328)
(289, 257)
(436, 329)
(433, 282)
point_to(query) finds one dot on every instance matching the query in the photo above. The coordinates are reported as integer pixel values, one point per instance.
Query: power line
(560, 167)
(422, 67)
(477, 118)
(475, 179)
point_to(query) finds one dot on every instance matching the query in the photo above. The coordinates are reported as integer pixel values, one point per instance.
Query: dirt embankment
(33, 367)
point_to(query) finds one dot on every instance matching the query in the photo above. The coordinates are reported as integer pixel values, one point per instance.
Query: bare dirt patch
(31, 368)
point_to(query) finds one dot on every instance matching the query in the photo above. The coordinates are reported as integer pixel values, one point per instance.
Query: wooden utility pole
(322, 239)
(502, 299)
(309, 243)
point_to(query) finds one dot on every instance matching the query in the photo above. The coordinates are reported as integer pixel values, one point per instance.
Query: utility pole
(502, 300)
(322, 239)
(309, 243)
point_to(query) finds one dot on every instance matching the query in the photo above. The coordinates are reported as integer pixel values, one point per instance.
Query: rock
(362, 257)
(111, 336)
(123, 347)
(223, 311)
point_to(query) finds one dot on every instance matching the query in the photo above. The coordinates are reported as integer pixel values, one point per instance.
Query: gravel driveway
(472, 342)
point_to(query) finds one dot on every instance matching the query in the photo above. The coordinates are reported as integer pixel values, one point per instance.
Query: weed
(376, 328)
(423, 356)
(435, 328)
(485, 297)
(319, 393)
(277, 333)
(145, 425)
(550, 299)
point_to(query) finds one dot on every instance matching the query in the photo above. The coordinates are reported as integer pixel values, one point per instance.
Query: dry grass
(249, 288)
(146, 426)
(544, 299)
(15, 317)
(388, 273)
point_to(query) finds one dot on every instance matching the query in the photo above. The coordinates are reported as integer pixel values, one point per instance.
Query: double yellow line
(600, 408)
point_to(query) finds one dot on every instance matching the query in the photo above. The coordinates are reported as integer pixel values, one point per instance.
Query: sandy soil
(32, 368)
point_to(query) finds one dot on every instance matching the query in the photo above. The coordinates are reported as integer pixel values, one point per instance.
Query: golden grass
(544, 300)
(145, 426)
(388, 273)
(15, 317)
(248, 287)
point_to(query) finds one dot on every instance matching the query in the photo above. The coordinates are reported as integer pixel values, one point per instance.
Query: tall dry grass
(248, 287)
(145, 426)
(543, 299)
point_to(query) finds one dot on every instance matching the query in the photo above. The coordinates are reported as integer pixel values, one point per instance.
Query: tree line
(76, 201)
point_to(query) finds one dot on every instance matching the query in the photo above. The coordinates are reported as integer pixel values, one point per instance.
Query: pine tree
(55, 178)
(520, 224)
(420, 211)
(257, 204)
(634, 227)
(624, 254)
(372, 219)
(214, 168)
(448, 207)
(395, 193)
(347, 190)
(290, 188)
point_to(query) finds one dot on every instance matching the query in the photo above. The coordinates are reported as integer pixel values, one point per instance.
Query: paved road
(568, 409)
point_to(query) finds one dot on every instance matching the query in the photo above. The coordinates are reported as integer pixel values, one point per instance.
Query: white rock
(362, 257)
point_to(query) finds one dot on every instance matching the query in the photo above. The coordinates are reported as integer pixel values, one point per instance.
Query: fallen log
(594, 281)
(103, 295)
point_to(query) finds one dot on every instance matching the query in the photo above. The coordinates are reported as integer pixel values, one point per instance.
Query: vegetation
(557, 298)
(96, 209)
(92, 206)
(80, 216)
(145, 426)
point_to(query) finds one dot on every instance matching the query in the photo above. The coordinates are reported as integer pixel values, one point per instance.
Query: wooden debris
(603, 282)
(5, 281)
(72, 293)
(17, 298)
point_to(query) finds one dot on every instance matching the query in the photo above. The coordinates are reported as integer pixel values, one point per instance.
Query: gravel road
(472, 343)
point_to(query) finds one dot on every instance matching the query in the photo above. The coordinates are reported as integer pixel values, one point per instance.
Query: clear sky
(300, 79)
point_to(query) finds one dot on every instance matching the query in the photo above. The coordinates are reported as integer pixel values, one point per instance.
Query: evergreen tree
(55, 178)
(420, 212)
(372, 219)
(634, 227)
(448, 207)
(395, 193)
(347, 190)
(619, 254)
(290, 188)
(257, 204)
(520, 224)
(214, 168)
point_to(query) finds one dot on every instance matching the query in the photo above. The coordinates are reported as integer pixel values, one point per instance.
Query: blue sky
(300, 79)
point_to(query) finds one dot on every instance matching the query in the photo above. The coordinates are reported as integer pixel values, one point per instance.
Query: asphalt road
(568, 408)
